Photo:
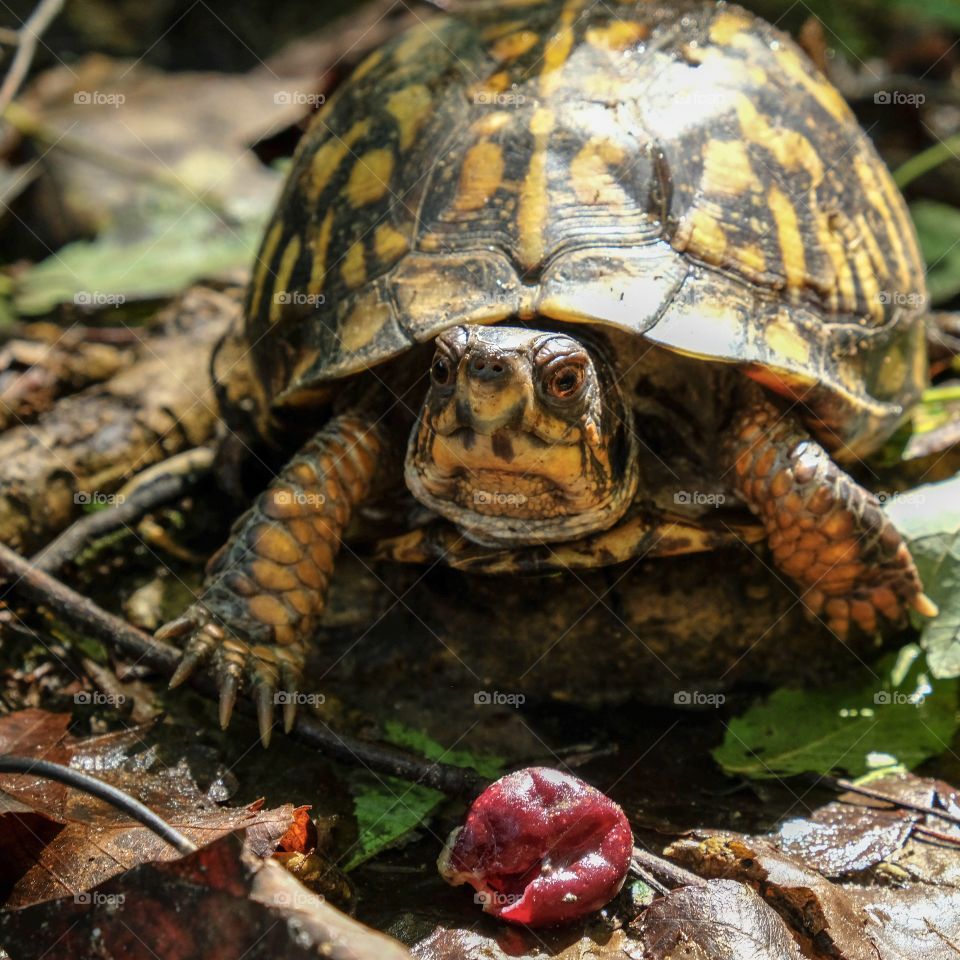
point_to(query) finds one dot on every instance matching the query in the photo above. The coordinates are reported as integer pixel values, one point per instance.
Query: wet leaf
(894, 714)
(929, 517)
(722, 920)
(217, 902)
(56, 841)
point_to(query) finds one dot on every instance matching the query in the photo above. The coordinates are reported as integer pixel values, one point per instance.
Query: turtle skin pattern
(266, 587)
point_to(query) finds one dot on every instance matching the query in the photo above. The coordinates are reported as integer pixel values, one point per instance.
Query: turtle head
(525, 436)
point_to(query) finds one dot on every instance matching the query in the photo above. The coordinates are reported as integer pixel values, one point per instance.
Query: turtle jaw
(524, 437)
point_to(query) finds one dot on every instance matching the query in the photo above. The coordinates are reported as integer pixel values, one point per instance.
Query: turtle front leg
(267, 586)
(825, 531)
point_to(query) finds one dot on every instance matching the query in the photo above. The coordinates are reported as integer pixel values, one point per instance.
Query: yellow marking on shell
(590, 173)
(787, 343)
(557, 48)
(363, 324)
(726, 169)
(788, 232)
(326, 161)
(880, 266)
(819, 88)
(751, 260)
(845, 291)
(914, 263)
(368, 64)
(281, 292)
(757, 75)
(480, 176)
(868, 281)
(502, 29)
(413, 42)
(534, 202)
(264, 259)
(726, 26)
(702, 236)
(514, 45)
(868, 176)
(321, 249)
(491, 123)
(410, 107)
(618, 35)
(790, 148)
(354, 266)
(389, 244)
(370, 177)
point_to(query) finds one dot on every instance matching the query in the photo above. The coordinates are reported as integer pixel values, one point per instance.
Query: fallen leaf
(60, 842)
(216, 902)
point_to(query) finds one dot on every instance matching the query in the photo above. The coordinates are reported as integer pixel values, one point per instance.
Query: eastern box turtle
(630, 236)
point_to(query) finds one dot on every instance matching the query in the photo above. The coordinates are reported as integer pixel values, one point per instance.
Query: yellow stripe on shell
(321, 249)
(480, 176)
(788, 233)
(326, 161)
(534, 202)
(264, 259)
(617, 35)
(281, 293)
(354, 266)
(410, 107)
(369, 179)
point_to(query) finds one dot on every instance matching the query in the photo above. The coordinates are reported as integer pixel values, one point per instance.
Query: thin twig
(27, 36)
(158, 484)
(116, 634)
(842, 785)
(665, 874)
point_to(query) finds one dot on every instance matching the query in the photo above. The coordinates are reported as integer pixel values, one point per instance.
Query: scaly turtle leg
(825, 531)
(267, 586)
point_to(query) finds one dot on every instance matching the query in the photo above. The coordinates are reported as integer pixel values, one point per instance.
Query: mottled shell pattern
(680, 171)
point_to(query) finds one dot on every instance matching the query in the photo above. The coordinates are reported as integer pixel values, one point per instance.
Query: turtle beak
(490, 392)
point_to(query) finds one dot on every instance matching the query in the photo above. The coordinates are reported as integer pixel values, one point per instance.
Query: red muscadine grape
(540, 848)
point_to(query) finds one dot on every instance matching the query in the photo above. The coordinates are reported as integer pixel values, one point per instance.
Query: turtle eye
(441, 371)
(564, 381)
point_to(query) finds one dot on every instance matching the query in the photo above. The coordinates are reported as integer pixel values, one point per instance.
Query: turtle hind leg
(825, 531)
(267, 586)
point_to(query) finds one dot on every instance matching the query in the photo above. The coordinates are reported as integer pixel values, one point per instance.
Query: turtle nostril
(479, 364)
(497, 368)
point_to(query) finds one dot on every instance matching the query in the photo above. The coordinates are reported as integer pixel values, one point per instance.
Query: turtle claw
(229, 686)
(272, 672)
(264, 697)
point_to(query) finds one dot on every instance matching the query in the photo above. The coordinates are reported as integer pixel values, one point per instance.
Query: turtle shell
(680, 171)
